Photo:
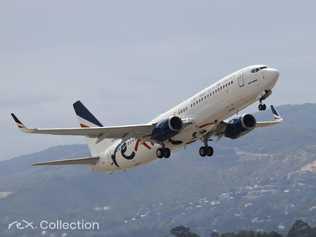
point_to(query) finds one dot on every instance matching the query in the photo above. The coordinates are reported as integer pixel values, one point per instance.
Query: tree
(182, 231)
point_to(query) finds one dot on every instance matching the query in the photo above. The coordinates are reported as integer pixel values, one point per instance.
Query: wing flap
(78, 161)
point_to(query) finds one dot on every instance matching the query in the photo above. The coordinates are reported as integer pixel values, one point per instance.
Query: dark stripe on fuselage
(114, 160)
(113, 156)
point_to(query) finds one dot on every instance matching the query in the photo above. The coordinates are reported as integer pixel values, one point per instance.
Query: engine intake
(240, 126)
(167, 128)
(175, 123)
(248, 121)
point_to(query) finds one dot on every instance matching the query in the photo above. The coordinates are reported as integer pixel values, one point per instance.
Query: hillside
(258, 182)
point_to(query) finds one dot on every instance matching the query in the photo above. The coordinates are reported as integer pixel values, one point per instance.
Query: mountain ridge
(252, 183)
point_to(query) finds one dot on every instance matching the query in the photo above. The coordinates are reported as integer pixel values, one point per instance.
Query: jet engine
(240, 126)
(167, 128)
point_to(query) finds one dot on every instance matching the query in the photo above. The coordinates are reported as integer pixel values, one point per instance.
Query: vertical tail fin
(87, 119)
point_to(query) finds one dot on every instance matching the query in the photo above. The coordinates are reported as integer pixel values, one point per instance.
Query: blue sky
(130, 60)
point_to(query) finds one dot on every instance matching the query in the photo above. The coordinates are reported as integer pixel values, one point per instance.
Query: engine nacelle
(240, 126)
(167, 128)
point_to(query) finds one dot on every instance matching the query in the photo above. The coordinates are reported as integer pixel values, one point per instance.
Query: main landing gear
(262, 106)
(206, 150)
(163, 152)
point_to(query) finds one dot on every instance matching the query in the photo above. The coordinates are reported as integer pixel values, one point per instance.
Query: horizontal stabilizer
(78, 161)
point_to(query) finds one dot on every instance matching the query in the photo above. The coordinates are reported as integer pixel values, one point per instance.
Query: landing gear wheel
(209, 151)
(202, 151)
(163, 153)
(159, 153)
(262, 107)
(206, 151)
(166, 153)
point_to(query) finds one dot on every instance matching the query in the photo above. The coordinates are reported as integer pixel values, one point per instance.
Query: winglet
(17, 121)
(20, 125)
(275, 113)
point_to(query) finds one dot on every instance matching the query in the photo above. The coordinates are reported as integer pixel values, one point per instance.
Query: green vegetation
(299, 229)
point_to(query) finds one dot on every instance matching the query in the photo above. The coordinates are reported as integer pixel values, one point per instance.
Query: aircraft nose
(273, 74)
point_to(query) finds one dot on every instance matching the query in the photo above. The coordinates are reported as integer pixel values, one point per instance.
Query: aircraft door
(241, 80)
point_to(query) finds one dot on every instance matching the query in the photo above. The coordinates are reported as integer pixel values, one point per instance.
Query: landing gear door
(241, 80)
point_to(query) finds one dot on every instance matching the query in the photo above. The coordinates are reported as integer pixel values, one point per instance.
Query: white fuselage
(206, 109)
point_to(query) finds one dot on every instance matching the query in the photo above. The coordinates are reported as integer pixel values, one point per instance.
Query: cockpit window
(257, 69)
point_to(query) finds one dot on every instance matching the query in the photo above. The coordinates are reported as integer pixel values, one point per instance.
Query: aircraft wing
(115, 132)
(276, 119)
(78, 161)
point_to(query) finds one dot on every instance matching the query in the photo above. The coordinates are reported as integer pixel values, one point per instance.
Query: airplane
(206, 115)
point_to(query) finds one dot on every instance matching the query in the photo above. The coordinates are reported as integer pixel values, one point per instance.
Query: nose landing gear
(262, 106)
